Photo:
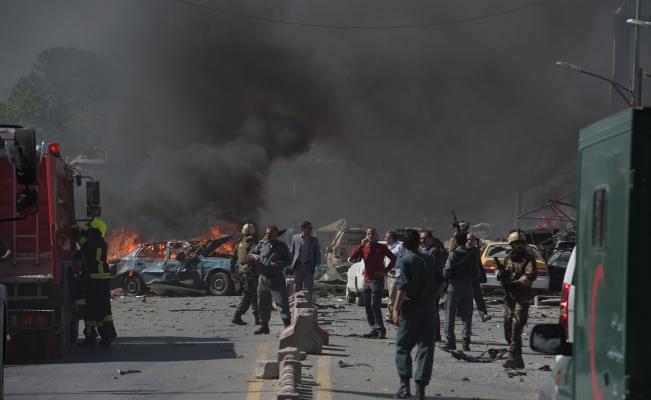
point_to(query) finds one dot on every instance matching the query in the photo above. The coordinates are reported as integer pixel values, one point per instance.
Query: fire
(122, 241)
(217, 232)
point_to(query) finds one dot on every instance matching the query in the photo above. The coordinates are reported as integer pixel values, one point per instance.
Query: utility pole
(636, 87)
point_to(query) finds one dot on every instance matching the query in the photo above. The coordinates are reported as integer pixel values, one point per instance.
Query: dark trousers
(415, 329)
(249, 293)
(373, 303)
(516, 314)
(304, 279)
(268, 288)
(458, 298)
(479, 297)
(98, 308)
(437, 319)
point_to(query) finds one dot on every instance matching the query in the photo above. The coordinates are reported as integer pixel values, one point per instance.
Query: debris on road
(512, 373)
(487, 356)
(127, 371)
(343, 364)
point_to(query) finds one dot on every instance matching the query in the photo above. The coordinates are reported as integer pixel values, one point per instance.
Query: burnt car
(155, 265)
(342, 246)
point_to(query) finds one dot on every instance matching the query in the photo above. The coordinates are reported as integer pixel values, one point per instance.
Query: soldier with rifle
(516, 274)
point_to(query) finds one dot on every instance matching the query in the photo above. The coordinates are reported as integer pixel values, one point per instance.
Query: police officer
(271, 256)
(516, 275)
(418, 283)
(460, 271)
(244, 267)
(93, 252)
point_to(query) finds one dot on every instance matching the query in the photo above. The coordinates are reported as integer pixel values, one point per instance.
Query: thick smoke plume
(419, 121)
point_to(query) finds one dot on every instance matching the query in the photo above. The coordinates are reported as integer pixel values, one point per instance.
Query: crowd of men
(418, 270)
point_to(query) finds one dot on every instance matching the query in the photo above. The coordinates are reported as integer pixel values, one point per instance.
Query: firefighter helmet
(248, 229)
(516, 236)
(98, 224)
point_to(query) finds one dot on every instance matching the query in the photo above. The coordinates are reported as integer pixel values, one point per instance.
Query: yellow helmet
(248, 229)
(516, 237)
(98, 224)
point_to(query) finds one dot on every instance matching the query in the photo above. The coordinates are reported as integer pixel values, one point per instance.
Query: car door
(150, 261)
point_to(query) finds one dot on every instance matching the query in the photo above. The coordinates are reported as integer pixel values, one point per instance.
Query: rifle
(455, 221)
(503, 275)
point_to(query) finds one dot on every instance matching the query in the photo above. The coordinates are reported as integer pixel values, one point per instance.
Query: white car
(559, 386)
(499, 250)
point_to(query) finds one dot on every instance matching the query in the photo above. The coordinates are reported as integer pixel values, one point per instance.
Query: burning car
(204, 267)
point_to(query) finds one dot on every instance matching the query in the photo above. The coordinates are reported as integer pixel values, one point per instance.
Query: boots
(466, 344)
(420, 391)
(257, 318)
(262, 330)
(448, 346)
(237, 320)
(87, 342)
(287, 322)
(515, 360)
(403, 392)
(485, 317)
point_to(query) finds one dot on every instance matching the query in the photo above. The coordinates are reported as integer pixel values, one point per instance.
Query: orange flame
(217, 232)
(122, 241)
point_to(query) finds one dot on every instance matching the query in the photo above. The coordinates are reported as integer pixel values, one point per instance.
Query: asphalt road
(186, 348)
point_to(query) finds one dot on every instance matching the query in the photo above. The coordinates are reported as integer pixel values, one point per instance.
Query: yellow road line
(255, 387)
(323, 375)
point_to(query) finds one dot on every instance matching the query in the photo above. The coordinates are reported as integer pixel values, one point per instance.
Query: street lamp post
(626, 93)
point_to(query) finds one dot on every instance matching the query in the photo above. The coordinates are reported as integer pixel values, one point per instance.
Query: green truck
(612, 325)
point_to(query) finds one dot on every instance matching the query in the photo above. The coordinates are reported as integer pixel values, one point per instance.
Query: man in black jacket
(460, 271)
(473, 242)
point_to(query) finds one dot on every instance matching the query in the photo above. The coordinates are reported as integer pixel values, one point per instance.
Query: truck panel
(612, 185)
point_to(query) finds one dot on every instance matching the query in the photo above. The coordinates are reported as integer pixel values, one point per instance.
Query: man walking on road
(427, 246)
(306, 258)
(244, 267)
(473, 242)
(460, 271)
(373, 254)
(418, 282)
(271, 256)
(396, 248)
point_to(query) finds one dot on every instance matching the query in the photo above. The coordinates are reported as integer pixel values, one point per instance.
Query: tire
(350, 296)
(133, 286)
(220, 284)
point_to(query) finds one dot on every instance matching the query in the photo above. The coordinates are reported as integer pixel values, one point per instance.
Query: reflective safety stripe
(108, 318)
(101, 275)
(80, 302)
(82, 240)
(100, 263)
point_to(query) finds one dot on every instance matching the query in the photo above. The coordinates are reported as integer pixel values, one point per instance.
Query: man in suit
(306, 259)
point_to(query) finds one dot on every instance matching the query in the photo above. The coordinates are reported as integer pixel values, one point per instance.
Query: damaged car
(176, 267)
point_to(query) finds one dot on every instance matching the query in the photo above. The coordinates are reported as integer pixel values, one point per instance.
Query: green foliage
(62, 97)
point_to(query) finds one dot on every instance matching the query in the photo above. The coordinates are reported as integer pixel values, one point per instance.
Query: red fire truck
(37, 210)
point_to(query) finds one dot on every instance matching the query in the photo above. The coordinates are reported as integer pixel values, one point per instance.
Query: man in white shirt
(396, 248)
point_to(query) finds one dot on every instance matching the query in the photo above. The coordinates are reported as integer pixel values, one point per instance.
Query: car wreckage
(176, 267)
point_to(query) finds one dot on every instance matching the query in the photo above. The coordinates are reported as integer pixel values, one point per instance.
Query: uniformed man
(516, 275)
(418, 283)
(244, 268)
(271, 256)
(435, 249)
(460, 271)
(93, 252)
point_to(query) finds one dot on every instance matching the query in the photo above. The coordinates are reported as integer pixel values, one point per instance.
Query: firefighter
(516, 275)
(245, 270)
(97, 282)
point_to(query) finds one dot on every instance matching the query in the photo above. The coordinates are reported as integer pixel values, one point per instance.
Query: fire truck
(37, 211)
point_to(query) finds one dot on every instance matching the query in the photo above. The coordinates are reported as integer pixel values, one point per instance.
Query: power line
(359, 27)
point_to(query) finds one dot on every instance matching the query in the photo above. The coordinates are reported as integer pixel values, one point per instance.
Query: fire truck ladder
(15, 237)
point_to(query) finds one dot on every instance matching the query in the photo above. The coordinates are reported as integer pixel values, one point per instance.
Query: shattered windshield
(352, 237)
